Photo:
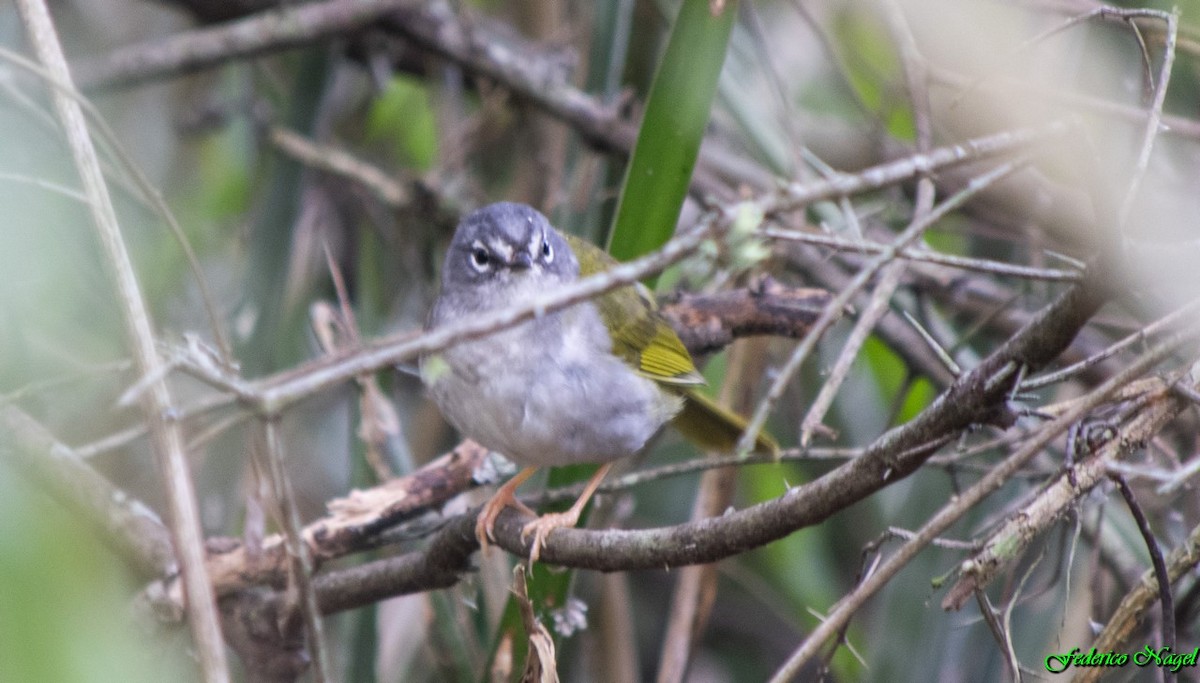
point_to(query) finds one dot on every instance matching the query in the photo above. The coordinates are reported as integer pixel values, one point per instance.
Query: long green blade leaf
(677, 113)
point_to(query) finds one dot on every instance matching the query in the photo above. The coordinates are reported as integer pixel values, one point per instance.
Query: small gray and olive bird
(592, 382)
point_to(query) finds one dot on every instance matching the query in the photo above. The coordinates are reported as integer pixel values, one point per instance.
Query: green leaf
(677, 112)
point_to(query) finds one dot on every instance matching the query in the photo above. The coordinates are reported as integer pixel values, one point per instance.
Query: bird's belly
(550, 409)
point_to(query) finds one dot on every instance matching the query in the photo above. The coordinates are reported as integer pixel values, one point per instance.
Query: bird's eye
(547, 251)
(480, 258)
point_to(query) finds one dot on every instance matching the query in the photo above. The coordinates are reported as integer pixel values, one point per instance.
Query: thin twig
(963, 503)
(921, 254)
(1010, 652)
(892, 271)
(933, 345)
(338, 161)
(1154, 117)
(158, 404)
(799, 195)
(1166, 600)
(1136, 338)
(300, 563)
(834, 308)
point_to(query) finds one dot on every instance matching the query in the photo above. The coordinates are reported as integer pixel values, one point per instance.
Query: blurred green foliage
(401, 117)
(65, 600)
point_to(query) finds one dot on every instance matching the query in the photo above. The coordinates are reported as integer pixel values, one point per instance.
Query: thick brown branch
(710, 322)
(270, 642)
(440, 565)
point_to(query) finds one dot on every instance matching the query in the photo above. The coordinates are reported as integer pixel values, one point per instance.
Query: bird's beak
(522, 261)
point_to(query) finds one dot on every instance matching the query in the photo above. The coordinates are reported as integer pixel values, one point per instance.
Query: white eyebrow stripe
(502, 249)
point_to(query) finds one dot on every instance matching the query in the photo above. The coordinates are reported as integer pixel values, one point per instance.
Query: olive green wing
(640, 335)
(646, 342)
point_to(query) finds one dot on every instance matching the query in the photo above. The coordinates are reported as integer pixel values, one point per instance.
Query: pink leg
(541, 527)
(504, 497)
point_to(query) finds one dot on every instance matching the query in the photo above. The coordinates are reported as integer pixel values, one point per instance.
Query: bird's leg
(504, 497)
(541, 527)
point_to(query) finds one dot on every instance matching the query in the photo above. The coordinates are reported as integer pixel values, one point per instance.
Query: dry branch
(352, 524)
(710, 322)
(1009, 542)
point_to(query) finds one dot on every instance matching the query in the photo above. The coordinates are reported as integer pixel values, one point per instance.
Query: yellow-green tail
(713, 427)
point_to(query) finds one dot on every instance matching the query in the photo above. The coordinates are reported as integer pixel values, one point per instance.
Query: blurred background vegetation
(366, 145)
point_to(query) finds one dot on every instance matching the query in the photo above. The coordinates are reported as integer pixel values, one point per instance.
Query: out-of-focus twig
(124, 522)
(158, 403)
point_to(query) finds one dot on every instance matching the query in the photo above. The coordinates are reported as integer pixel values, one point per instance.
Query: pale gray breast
(549, 392)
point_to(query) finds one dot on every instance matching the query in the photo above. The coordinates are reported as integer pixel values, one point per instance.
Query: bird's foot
(541, 527)
(505, 497)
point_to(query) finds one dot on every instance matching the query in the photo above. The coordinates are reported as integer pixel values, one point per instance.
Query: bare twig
(1166, 600)
(1008, 542)
(798, 195)
(921, 254)
(1154, 117)
(950, 513)
(893, 268)
(835, 307)
(158, 404)
(277, 29)
(300, 563)
(335, 160)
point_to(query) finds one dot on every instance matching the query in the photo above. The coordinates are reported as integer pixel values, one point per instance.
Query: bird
(589, 383)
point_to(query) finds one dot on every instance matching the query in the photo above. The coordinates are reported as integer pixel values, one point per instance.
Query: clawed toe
(541, 527)
(485, 523)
